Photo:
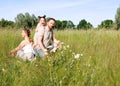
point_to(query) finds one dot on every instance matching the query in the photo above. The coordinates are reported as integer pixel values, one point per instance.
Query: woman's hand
(12, 53)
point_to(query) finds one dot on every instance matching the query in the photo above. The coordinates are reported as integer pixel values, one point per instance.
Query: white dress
(27, 53)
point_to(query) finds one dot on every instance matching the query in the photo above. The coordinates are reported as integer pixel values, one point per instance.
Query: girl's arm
(36, 30)
(20, 46)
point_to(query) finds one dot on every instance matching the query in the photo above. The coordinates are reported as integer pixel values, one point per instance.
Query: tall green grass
(98, 65)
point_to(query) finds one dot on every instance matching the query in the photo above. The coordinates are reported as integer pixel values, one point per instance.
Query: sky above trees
(93, 11)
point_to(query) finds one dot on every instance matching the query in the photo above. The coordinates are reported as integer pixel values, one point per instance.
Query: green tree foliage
(70, 24)
(83, 24)
(34, 20)
(6, 23)
(117, 18)
(26, 20)
(67, 24)
(60, 25)
(64, 24)
(107, 24)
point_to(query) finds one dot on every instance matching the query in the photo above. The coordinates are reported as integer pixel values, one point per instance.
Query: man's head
(51, 23)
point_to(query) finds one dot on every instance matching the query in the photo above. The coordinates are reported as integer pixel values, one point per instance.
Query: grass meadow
(88, 58)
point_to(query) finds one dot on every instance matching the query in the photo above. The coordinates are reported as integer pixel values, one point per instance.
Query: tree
(64, 24)
(83, 24)
(20, 20)
(107, 24)
(34, 20)
(58, 24)
(26, 20)
(6, 23)
(70, 24)
(3, 22)
(117, 18)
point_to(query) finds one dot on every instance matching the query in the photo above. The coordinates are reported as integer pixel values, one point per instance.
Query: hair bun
(42, 16)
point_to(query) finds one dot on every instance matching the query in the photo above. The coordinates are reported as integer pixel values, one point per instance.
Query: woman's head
(42, 20)
(25, 32)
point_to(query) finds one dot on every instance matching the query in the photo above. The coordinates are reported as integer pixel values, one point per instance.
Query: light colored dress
(38, 51)
(27, 53)
(38, 33)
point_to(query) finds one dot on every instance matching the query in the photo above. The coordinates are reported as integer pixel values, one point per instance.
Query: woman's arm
(20, 46)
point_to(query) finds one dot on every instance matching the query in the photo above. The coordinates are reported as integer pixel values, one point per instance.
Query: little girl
(24, 50)
(40, 27)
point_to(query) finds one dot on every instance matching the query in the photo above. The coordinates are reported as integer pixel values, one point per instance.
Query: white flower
(64, 48)
(77, 56)
(81, 54)
(70, 50)
(62, 42)
(88, 65)
(73, 53)
(67, 46)
(3, 69)
(36, 65)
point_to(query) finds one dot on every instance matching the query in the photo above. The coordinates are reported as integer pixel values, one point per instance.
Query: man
(47, 38)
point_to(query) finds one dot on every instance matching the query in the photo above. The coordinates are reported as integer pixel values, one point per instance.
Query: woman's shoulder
(25, 42)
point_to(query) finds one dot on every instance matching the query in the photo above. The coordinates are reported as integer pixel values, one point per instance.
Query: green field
(97, 65)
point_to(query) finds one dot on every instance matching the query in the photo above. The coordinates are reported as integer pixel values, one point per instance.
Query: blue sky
(93, 11)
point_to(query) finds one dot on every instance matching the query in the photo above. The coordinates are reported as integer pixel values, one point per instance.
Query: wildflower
(62, 42)
(81, 54)
(70, 50)
(77, 56)
(88, 65)
(64, 48)
(61, 52)
(3, 69)
(73, 53)
(68, 46)
(36, 65)
(60, 81)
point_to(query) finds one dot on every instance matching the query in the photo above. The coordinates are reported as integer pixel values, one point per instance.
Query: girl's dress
(27, 53)
(37, 34)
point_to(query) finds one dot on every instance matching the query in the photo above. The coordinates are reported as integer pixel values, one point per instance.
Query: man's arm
(55, 40)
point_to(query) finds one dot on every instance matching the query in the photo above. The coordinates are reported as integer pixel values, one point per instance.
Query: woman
(24, 49)
(40, 27)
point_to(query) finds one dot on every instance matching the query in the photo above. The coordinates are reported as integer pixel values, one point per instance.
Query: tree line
(30, 21)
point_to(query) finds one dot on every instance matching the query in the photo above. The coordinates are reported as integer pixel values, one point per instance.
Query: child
(24, 50)
(40, 27)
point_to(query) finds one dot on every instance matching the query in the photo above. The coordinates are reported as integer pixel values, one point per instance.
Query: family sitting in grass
(44, 41)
